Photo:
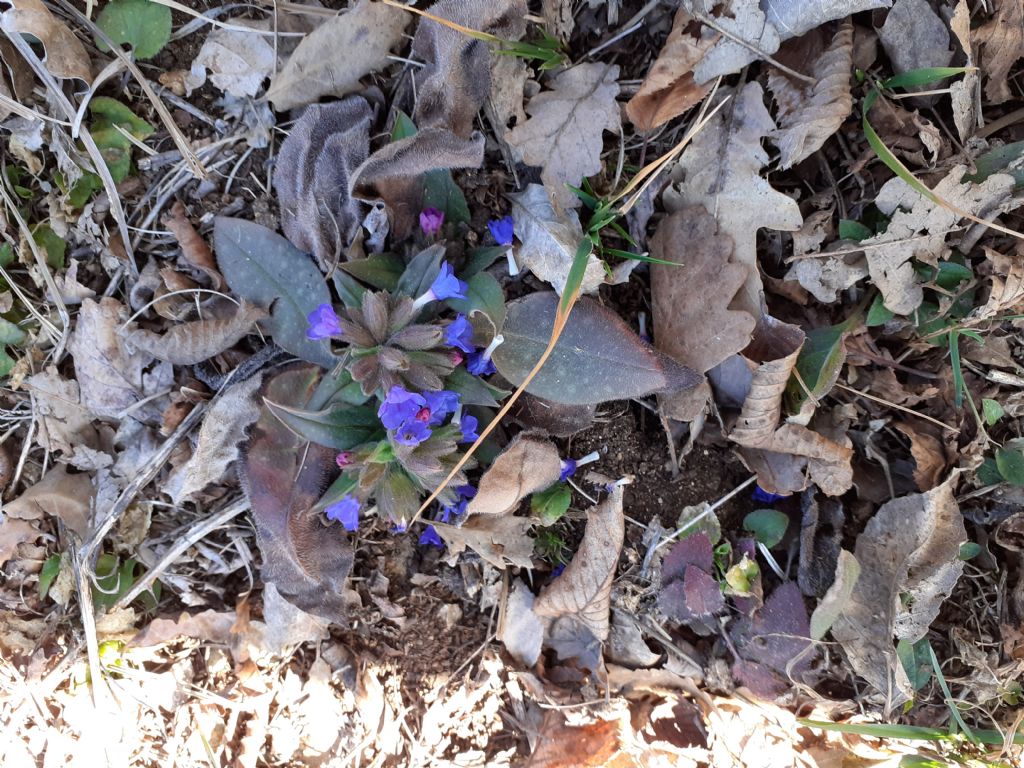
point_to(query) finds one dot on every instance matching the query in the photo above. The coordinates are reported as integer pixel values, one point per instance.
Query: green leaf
(49, 572)
(340, 426)
(767, 525)
(6, 255)
(916, 662)
(923, 76)
(878, 313)
(1010, 462)
(472, 389)
(114, 579)
(480, 259)
(988, 473)
(741, 575)
(112, 112)
(403, 128)
(263, 267)
(853, 230)
(440, 191)
(337, 386)
(379, 270)
(350, 290)
(1002, 159)
(10, 333)
(968, 550)
(550, 504)
(115, 147)
(991, 410)
(144, 25)
(576, 272)
(53, 244)
(597, 358)
(483, 294)
(819, 363)
(421, 271)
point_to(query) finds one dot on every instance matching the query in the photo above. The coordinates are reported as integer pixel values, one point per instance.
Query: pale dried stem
(885, 402)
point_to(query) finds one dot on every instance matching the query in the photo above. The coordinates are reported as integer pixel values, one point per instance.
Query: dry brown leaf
(721, 170)
(1007, 292)
(1001, 41)
(692, 320)
(520, 630)
(330, 60)
(109, 376)
(742, 19)
(558, 19)
(64, 424)
(194, 248)
(194, 342)
(65, 54)
(238, 61)
(929, 456)
(508, 81)
(669, 89)
(809, 115)
(918, 229)
(527, 465)
(962, 92)
(564, 133)
(549, 240)
(14, 531)
(500, 540)
(219, 441)
(58, 495)
(776, 348)
(909, 548)
(577, 602)
(826, 276)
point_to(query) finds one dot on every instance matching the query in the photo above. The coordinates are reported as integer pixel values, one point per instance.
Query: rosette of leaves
(386, 348)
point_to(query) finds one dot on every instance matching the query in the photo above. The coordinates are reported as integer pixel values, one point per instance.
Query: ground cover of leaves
(268, 271)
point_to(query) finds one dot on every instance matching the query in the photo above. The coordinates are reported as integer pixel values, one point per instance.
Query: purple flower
(343, 459)
(479, 365)
(502, 230)
(466, 491)
(431, 220)
(345, 512)
(398, 527)
(399, 406)
(431, 538)
(446, 285)
(764, 497)
(412, 432)
(440, 403)
(459, 334)
(468, 425)
(568, 470)
(323, 323)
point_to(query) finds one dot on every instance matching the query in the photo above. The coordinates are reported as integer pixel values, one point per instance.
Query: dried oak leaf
(199, 340)
(64, 423)
(13, 532)
(669, 89)
(501, 540)
(1001, 40)
(577, 602)
(918, 229)
(65, 54)
(58, 495)
(776, 348)
(332, 58)
(549, 240)
(312, 177)
(1007, 293)
(692, 320)
(809, 114)
(908, 553)
(209, 626)
(564, 133)
(527, 465)
(283, 477)
(194, 248)
(721, 170)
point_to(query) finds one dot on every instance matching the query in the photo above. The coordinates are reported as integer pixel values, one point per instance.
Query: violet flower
(459, 334)
(479, 363)
(503, 230)
(412, 432)
(440, 403)
(431, 221)
(468, 424)
(431, 538)
(343, 459)
(765, 497)
(323, 323)
(569, 466)
(399, 406)
(345, 512)
(445, 286)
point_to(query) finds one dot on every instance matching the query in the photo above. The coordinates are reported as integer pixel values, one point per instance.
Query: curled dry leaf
(564, 133)
(1007, 293)
(550, 240)
(330, 60)
(597, 357)
(721, 170)
(918, 229)
(218, 444)
(669, 89)
(520, 630)
(962, 91)
(194, 248)
(527, 465)
(1001, 40)
(777, 347)
(577, 602)
(834, 601)
(191, 343)
(909, 549)
(809, 114)
(284, 477)
(501, 540)
(210, 626)
(313, 173)
(927, 451)
(64, 423)
(692, 320)
(825, 276)
(57, 495)
(65, 55)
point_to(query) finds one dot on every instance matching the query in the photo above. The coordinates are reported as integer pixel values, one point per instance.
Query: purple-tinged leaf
(597, 358)
(672, 602)
(778, 633)
(759, 679)
(694, 550)
(703, 594)
(283, 478)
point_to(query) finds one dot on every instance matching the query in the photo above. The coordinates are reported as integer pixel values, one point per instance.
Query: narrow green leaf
(915, 78)
(1004, 159)
(48, 574)
(576, 272)
(878, 313)
(853, 230)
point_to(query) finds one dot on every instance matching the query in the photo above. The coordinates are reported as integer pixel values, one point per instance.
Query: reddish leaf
(695, 550)
(703, 595)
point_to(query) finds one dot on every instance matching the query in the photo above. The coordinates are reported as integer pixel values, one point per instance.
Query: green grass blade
(953, 710)
(918, 77)
(575, 278)
(880, 730)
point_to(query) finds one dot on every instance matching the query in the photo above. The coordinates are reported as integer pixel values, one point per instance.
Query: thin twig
(896, 406)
